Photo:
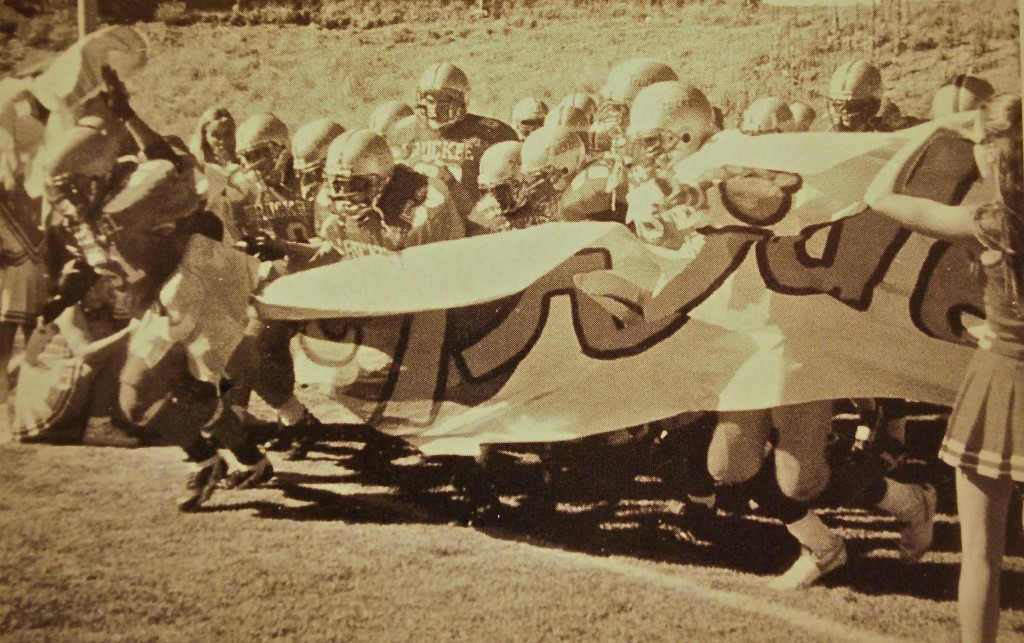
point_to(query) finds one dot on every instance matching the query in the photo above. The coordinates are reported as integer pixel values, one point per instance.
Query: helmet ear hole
(685, 138)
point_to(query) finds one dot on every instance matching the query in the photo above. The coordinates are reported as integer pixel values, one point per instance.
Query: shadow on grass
(641, 524)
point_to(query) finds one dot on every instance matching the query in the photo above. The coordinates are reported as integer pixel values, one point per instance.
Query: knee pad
(734, 455)
(798, 480)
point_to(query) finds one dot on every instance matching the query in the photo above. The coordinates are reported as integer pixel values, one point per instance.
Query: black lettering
(947, 290)
(858, 251)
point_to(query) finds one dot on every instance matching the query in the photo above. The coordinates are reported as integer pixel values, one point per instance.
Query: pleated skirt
(986, 428)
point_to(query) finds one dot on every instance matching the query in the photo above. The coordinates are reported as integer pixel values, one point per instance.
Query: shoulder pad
(408, 124)
(496, 131)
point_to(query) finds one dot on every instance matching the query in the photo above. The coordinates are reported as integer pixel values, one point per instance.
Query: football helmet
(558, 152)
(386, 115)
(582, 101)
(501, 175)
(768, 115)
(261, 141)
(854, 96)
(359, 164)
(441, 95)
(528, 115)
(962, 93)
(78, 166)
(670, 121)
(803, 116)
(568, 116)
(625, 81)
(551, 159)
(309, 152)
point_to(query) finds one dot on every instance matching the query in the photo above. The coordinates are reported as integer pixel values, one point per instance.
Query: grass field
(94, 550)
(91, 547)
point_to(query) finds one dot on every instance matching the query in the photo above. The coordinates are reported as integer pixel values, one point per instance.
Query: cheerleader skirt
(986, 428)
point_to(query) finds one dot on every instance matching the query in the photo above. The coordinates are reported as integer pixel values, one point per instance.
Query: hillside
(545, 49)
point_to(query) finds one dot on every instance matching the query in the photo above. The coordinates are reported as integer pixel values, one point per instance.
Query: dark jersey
(414, 209)
(457, 148)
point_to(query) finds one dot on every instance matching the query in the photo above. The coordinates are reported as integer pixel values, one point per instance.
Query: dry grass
(93, 550)
(547, 49)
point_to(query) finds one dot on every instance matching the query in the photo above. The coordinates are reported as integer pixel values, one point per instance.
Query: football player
(856, 104)
(385, 118)
(624, 82)
(380, 205)
(263, 144)
(523, 185)
(803, 116)
(570, 117)
(269, 200)
(443, 133)
(309, 152)
(962, 93)
(500, 181)
(768, 115)
(528, 116)
(582, 101)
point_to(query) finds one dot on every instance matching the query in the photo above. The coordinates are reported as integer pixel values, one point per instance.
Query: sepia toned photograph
(511, 320)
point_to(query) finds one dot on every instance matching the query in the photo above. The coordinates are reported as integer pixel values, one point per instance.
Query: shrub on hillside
(176, 14)
(127, 12)
(53, 31)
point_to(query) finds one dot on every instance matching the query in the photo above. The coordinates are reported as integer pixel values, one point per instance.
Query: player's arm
(115, 94)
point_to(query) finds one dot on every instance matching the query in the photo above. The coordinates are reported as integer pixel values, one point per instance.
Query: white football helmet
(359, 164)
(854, 95)
(625, 82)
(962, 93)
(309, 150)
(803, 116)
(768, 115)
(262, 142)
(670, 121)
(386, 115)
(528, 115)
(501, 175)
(441, 95)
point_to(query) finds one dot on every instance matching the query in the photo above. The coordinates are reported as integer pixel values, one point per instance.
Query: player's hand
(266, 247)
(76, 279)
(115, 94)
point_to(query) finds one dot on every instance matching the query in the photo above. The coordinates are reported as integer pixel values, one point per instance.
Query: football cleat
(809, 568)
(258, 474)
(202, 483)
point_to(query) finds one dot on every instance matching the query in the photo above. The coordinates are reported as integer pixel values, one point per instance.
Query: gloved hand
(115, 94)
(266, 247)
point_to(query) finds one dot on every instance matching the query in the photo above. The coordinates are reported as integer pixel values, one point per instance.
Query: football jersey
(457, 147)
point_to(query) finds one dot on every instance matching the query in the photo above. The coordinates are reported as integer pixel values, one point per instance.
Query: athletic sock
(247, 454)
(201, 450)
(814, 534)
